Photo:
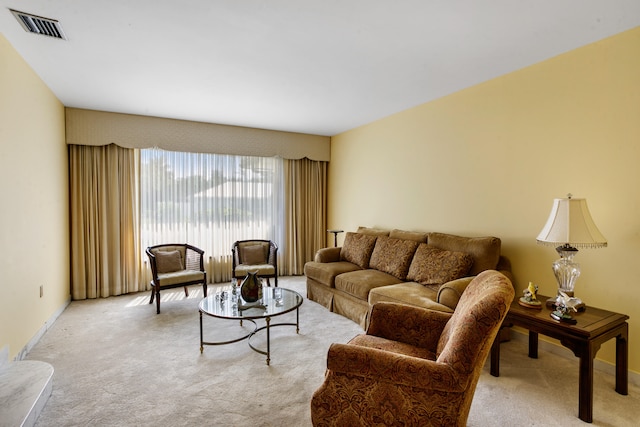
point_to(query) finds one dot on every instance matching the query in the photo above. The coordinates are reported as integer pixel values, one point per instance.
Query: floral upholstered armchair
(414, 366)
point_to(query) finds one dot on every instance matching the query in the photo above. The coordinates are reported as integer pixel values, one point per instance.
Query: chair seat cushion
(372, 341)
(182, 276)
(262, 269)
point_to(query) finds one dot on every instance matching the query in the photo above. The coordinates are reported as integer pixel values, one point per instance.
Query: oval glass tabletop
(275, 301)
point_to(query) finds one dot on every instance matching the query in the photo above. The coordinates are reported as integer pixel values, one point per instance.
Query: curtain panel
(305, 212)
(105, 251)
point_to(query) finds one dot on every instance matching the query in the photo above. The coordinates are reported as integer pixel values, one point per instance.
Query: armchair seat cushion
(178, 277)
(359, 283)
(262, 269)
(380, 343)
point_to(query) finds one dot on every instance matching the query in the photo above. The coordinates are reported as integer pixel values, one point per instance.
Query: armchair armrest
(152, 264)
(194, 259)
(408, 324)
(328, 255)
(395, 368)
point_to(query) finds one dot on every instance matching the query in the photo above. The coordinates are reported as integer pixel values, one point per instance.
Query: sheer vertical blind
(210, 201)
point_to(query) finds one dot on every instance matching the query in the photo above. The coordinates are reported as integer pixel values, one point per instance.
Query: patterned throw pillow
(393, 256)
(168, 261)
(433, 266)
(357, 249)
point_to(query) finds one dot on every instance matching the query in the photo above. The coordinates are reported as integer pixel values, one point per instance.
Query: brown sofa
(425, 269)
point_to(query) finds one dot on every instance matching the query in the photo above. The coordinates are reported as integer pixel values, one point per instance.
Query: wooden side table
(594, 327)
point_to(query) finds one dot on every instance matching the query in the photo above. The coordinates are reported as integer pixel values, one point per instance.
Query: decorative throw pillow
(433, 266)
(253, 254)
(485, 251)
(168, 261)
(393, 256)
(357, 249)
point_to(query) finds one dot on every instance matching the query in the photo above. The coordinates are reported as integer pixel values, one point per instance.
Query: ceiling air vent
(39, 25)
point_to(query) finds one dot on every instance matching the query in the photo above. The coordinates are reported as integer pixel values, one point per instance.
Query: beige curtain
(105, 252)
(305, 184)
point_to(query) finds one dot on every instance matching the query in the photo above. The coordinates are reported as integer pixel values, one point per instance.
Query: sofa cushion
(411, 293)
(434, 266)
(359, 283)
(326, 272)
(484, 250)
(168, 261)
(373, 231)
(417, 236)
(357, 248)
(393, 256)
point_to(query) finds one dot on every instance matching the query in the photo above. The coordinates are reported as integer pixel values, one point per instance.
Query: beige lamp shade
(570, 223)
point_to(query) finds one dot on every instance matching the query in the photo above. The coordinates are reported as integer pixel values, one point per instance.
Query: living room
(485, 160)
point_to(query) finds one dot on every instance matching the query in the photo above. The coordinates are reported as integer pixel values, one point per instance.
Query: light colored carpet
(117, 363)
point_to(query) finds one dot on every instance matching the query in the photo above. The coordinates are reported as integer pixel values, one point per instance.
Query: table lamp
(570, 226)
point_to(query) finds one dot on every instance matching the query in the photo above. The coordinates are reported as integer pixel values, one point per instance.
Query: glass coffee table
(228, 305)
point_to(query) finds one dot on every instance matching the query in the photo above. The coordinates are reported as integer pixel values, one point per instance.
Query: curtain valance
(90, 127)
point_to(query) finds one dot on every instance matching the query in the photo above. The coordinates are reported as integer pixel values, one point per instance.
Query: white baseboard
(599, 365)
(33, 341)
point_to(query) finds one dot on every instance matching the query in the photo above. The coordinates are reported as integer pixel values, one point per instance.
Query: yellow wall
(490, 159)
(34, 243)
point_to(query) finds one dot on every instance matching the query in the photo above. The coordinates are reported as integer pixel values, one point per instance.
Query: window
(210, 201)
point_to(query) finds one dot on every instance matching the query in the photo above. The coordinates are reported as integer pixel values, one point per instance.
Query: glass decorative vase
(251, 288)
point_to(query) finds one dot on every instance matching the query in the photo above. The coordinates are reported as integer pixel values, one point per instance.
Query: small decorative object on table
(529, 299)
(251, 291)
(564, 304)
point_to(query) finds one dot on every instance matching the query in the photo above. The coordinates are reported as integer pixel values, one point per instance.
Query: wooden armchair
(255, 255)
(175, 265)
(414, 366)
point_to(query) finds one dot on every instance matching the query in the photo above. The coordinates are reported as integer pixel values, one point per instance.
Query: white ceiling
(311, 66)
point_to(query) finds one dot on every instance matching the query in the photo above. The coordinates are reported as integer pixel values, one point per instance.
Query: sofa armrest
(394, 368)
(328, 255)
(408, 324)
(449, 293)
(504, 267)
